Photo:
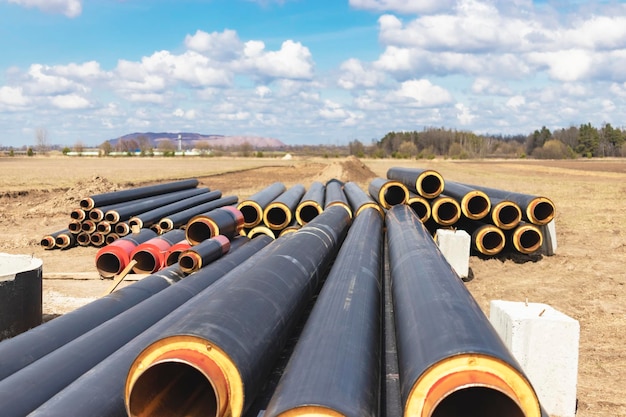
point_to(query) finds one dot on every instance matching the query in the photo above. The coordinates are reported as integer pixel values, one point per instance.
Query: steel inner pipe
(122, 228)
(234, 348)
(475, 204)
(148, 218)
(227, 221)
(445, 211)
(65, 240)
(420, 206)
(104, 227)
(505, 214)
(450, 356)
(203, 253)
(311, 204)
(21, 350)
(135, 193)
(113, 258)
(335, 196)
(279, 212)
(335, 367)
(358, 199)
(388, 192)
(100, 391)
(424, 182)
(252, 208)
(179, 219)
(526, 238)
(150, 255)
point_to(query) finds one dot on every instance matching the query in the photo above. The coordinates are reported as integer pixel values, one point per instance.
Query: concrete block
(455, 247)
(549, 239)
(545, 343)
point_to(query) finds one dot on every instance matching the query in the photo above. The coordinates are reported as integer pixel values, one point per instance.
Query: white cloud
(403, 6)
(421, 93)
(13, 97)
(70, 8)
(484, 85)
(70, 102)
(565, 65)
(189, 114)
(263, 91)
(222, 46)
(291, 61)
(464, 114)
(516, 102)
(354, 74)
(43, 80)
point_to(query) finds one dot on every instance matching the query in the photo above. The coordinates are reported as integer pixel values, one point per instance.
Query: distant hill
(189, 140)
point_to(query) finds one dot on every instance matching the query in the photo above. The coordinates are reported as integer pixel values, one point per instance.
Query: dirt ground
(585, 279)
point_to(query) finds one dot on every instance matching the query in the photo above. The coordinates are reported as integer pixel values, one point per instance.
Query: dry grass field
(586, 279)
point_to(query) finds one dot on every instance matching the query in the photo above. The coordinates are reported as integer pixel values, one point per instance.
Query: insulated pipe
(486, 239)
(335, 367)
(424, 182)
(293, 227)
(111, 237)
(171, 256)
(148, 218)
(179, 219)
(420, 206)
(252, 208)
(83, 239)
(97, 239)
(122, 228)
(113, 258)
(99, 392)
(279, 212)
(312, 203)
(25, 348)
(452, 361)
(150, 255)
(134, 193)
(74, 226)
(104, 227)
(359, 200)
(526, 238)
(445, 211)
(129, 210)
(536, 209)
(475, 204)
(215, 359)
(97, 213)
(49, 241)
(203, 253)
(388, 193)
(65, 240)
(88, 226)
(334, 196)
(78, 214)
(227, 221)
(505, 214)
(261, 230)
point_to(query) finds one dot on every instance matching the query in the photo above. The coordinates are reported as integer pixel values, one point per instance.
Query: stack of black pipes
(361, 286)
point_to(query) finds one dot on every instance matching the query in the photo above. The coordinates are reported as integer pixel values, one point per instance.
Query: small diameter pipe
(487, 239)
(134, 193)
(451, 360)
(252, 208)
(505, 214)
(150, 255)
(293, 227)
(445, 211)
(74, 226)
(312, 203)
(148, 218)
(261, 230)
(104, 227)
(526, 238)
(88, 226)
(279, 212)
(173, 253)
(179, 219)
(49, 241)
(420, 206)
(97, 239)
(475, 204)
(424, 182)
(122, 228)
(111, 237)
(217, 356)
(203, 253)
(98, 213)
(78, 214)
(83, 239)
(113, 258)
(65, 240)
(387, 192)
(335, 367)
(335, 196)
(359, 200)
(227, 221)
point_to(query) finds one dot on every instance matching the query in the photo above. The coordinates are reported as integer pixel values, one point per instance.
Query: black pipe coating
(179, 219)
(252, 208)
(280, 211)
(424, 182)
(334, 196)
(388, 192)
(358, 199)
(311, 204)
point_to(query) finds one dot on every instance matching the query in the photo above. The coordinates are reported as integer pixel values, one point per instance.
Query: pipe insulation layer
(65, 240)
(359, 200)
(203, 253)
(312, 203)
(526, 238)
(505, 214)
(445, 211)
(113, 258)
(173, 253)
(475, 204)
(388, 192)
(420, 206)
(227, 221)
(335, 367)
(179, 219)
(50, 241)
(134, 193)
(452, 362)
(215, 360)
(424, 182)
(150, 255)
(252, 208)
(280, 211)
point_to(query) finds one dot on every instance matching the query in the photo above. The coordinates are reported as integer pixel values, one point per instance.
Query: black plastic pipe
(252, 208)
(49, 241)
(27, 347)
(203, 253)
(113, 258)
(150, 217)
(504, 214)
(420, 206)
(388, 192)
(134, 193)
(444, 210)
(65, 240)
(335, 367)
(452, 361)
(216, 360)
(227, 221)
(150, 255)
(334, 196)
(486, 239)
(312, 203)
(279, 212)
(100, 391)
(97, 239)
(358, 199)
(83, 239)
(424, 182)
(172, 254)
(78, 214)
(179, 219)
(97, 213)
(526, 238)
(475, 204)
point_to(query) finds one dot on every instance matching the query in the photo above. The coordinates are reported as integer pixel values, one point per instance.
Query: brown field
(586, 279)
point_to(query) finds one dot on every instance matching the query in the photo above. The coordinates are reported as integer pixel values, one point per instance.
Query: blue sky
(306, 71)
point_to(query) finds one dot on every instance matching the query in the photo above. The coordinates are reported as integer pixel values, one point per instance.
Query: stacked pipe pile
(208, 338)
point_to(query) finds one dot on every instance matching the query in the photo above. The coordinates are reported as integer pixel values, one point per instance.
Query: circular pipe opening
(307, 212)
(146, 262)
(252, 214)
(277, 217)
(79, 214)
(542, 212)
(173, 389)
(421, 209)
(446, 213)
(108, 264)
(529, 241)
(430, 185)
(83, 238)
(477, 207)
(112, 216)
(189, 262)
(508, 216)
(110, 238)
(199, 231)
(477, 402)
(394, 195)
(96, 215)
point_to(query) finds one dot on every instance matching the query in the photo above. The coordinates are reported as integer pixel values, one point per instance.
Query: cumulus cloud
(403, 6)
(13, 97)
(355, 74)
(421, 93)
(291, 61)
(70, 102)
(221, 46)
(188, 115)
(69, 8)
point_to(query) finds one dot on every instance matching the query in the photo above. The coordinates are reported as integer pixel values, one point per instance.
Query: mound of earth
(350, 169)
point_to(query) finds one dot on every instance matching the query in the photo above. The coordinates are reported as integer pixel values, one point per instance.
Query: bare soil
(586, 279)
